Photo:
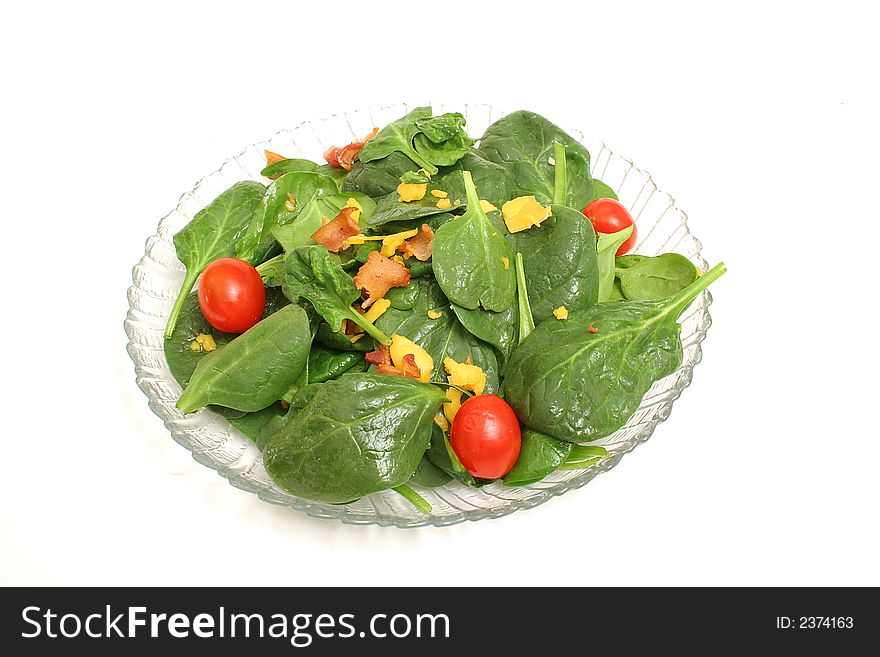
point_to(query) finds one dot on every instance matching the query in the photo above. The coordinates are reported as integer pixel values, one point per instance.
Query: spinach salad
(425, 307)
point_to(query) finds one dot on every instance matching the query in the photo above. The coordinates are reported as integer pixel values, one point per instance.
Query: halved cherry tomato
(486, 436)
(231, 295)
(610, 216)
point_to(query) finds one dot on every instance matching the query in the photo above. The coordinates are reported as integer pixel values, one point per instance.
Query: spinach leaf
(428, 475)
(378, 177)
(601, 190)
(181, 358)
(275, 209)
(577, 385)
(444, 153)
(560, 262)
(212, 234)
(441, 337)
(272, 353)
(522, 143)
(491, 179)
(250, 424)
(311, 217)
(539, 455)
(469, 255)
(606, 249)
(326, 364)
(389, 208)
(314, 274)
(625, 261)
(440, 128)
(358, 434)
(656, 278)
(272, 271)
(339, 341)
(397, 137)
(279, 168)
(497, 328)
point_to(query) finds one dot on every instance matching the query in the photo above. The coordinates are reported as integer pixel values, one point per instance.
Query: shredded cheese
(375, 312)
(561, 313)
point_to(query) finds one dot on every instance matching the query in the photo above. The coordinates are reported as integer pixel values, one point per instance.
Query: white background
(761, 120)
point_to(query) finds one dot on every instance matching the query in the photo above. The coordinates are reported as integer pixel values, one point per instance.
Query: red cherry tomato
(231, 295)
(610, 216)
(486, 437)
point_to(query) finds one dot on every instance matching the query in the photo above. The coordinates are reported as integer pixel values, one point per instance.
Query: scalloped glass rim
(213, 443)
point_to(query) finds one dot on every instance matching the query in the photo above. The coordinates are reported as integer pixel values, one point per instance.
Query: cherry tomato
(486, 436)
(610, 216)
(231, 295)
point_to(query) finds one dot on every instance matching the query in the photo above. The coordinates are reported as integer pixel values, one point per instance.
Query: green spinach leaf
(272, 353)
(493, 180)
(601, 190)
(326, 364)
(522, 142)
(389, 208)
(440, 128)
(428, 475)
(379, 177)
(314, 274)
(468, 258)
(279, 168)
(275, 209)
(181, 358)
(358, 434)
(212, 234)
(560, 260)
(497, 328)
(656, 278)
(539, 455)
(441, 337)
(578, 385)
(397, 137)
(311, 217)
(445, 153)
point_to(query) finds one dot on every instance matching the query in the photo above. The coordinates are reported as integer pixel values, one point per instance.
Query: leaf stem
(683, 299)
(371, 330)
(526, 321)
(560, 182)
(188, 282)
(413, 498)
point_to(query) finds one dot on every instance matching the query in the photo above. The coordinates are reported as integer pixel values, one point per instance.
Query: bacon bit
(593, 329)
(410, 369)
(272, 158)
(347, 154)
(419, 246)
(379, 275)
(332, 156)
(343, 158)
(334, 233)
(381, 357)
(285, 405)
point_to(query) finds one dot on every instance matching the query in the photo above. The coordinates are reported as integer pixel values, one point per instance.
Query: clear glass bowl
(212, 442)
